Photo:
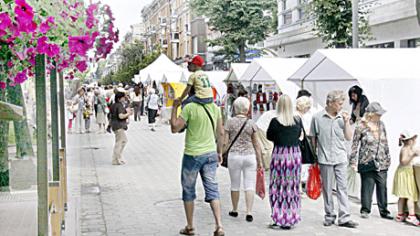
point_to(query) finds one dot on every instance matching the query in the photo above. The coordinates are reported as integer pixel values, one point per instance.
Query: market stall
(388, 76)
(268, 79)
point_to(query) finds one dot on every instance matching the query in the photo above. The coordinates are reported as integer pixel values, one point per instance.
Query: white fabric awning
(274, 70)
(236, 71)
(162, 68)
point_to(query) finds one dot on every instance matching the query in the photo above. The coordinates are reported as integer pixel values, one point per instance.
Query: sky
(126, 13)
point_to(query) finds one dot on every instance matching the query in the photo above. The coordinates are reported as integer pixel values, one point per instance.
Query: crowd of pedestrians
(213, 138)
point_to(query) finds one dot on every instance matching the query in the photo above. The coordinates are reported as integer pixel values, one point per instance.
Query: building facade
(167, 23)
(393, 23)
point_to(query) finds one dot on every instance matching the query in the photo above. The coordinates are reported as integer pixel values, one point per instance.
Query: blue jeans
(206, 165)
(198, 100)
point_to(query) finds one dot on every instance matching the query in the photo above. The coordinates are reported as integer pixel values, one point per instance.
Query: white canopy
(236, 71)
(388, 76)
(274, 69)
(162, 68)
(217, 81)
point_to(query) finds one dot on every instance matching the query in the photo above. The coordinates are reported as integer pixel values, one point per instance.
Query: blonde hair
(285, 111)
(303, 103)
(241, 105)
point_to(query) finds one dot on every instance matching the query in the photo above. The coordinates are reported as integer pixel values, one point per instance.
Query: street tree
(240, 22)
(333, 22)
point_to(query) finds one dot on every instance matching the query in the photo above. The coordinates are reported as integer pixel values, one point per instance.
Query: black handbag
(308, 155)
(371, 165)
(225, 155)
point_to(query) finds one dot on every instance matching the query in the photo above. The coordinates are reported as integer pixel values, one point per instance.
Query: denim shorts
(206, 165)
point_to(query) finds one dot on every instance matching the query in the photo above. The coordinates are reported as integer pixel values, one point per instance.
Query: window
(383, 45)
(283, 5)
(301, 13)
(287, 18)
(413, 43)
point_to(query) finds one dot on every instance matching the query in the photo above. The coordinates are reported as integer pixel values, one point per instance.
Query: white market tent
(236, 71)
(162, 68)
(274, 70)
(388, 76)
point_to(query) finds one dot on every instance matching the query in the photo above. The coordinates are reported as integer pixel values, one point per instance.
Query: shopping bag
(314, 185)
(260, 185)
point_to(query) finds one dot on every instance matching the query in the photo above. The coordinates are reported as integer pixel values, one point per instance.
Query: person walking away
(136, 99)
(79, 100)
(303, 106)
(330, 128)
(244, 156)
(200, 82)
(119, 116)
(370, 156)
(359, 102)
(142, 91)
(404, 181)
(152, 108)
(284, 131)
(101, 107)
(70, 116)
(201, 156)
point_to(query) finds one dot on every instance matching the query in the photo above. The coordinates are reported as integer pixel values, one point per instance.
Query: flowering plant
(64, 30)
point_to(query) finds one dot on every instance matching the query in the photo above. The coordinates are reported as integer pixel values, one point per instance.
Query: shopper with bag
(370, 156)
(285, 132)
(244, 156)
(329, 131)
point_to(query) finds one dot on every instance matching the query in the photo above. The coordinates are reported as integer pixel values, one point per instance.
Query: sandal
(219, 232)
(412, 219)
(400, 217)
(187, 231)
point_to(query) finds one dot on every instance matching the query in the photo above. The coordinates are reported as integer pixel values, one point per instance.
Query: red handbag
(260, 185)
(314, 185)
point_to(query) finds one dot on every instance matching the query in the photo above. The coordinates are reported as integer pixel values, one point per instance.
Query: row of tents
(389, 76)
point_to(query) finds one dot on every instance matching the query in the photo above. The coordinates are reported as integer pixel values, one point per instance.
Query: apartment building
(167, 23)
(393, 23)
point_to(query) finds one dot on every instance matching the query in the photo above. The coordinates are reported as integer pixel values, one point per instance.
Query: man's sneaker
(328, 223)
(349, 224)
(364, 215)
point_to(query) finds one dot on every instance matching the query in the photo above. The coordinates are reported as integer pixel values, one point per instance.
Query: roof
(236, 71)
(160, 67)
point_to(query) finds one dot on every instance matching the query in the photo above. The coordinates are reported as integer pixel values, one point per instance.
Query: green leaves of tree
(240, 22)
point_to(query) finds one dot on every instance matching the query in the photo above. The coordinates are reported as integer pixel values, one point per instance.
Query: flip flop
(187, 231)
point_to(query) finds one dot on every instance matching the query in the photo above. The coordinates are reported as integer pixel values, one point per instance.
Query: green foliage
(133, 60)
(333, 22)
(240, 22)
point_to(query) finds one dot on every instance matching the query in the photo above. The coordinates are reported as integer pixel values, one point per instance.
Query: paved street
(143, 196)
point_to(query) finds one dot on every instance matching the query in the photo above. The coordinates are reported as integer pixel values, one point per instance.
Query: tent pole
(304, 77)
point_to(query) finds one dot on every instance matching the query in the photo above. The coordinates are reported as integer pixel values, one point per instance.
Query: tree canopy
(240, 22)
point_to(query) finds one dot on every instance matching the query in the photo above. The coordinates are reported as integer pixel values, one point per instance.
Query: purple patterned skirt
(284, 185)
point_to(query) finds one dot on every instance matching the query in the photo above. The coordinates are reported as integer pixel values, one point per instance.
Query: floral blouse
(243, 144)
(365, 147)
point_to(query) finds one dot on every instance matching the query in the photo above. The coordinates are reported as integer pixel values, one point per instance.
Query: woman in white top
(136, 100)
(152, 108)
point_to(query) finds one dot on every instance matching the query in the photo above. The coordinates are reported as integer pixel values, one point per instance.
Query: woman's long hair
(137, 90)
(285, 111)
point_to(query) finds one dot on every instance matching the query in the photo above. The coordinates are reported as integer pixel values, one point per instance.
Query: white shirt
(153, 102)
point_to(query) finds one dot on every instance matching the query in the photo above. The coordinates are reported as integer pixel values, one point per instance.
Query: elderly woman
(244, 156)
(284, 131)
(303, 105)
(370, 155)
(80, 101)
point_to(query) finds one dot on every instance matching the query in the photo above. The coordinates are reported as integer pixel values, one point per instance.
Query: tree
(240, 22)
(333, 22)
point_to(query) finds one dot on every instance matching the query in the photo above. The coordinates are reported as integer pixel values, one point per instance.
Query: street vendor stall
(268, 79)
(388, 76)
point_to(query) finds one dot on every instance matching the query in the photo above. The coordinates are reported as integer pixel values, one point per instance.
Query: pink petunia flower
(2, 85)
(10, 64)
(23, 10)
(5, 21)
(81, 66)
(45, 26)
(80, 44)
(20, 77)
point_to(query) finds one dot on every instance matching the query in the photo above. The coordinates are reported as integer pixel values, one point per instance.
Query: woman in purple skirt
(284, 131)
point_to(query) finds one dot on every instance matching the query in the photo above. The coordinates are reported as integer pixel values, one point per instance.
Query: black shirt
(284, 136)
(116, 122)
